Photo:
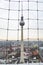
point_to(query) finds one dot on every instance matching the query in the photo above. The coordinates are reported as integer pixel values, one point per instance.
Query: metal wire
(18, 20)
(8, 20)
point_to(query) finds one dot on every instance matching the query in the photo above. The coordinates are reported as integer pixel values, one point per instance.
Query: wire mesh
(10, 17)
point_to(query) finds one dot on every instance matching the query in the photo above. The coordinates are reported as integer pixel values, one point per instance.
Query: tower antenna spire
(22, 8)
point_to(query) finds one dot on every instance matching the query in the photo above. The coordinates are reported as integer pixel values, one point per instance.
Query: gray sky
(13, 24)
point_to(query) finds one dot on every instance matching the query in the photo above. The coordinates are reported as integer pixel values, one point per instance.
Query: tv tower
(22, 45)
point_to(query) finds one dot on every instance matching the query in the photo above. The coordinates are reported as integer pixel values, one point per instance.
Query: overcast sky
(13, 24)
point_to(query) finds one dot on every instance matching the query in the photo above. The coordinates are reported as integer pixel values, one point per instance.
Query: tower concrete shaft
(22, 46)
(21, 33)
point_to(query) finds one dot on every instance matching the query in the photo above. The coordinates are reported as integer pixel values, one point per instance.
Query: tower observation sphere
(22, 22)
